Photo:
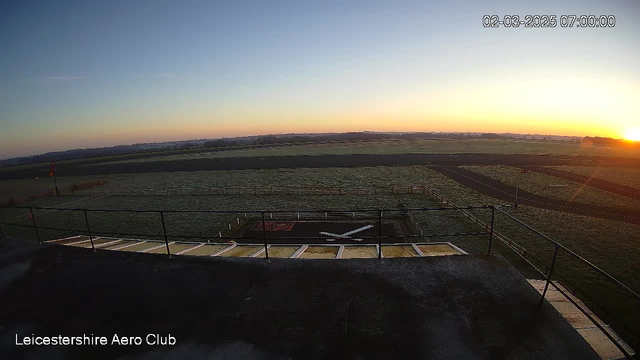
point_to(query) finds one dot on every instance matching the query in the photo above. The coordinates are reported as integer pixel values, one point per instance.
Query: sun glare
(633, 134)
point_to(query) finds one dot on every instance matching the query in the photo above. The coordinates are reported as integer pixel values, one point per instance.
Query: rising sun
(633, 134)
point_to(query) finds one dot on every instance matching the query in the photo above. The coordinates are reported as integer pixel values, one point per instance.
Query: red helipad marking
(275, 226)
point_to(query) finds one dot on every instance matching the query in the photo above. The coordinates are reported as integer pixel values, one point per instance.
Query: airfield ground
(275, 182)
(379, 147)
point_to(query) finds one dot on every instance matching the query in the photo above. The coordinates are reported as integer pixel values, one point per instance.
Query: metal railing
(377, 215)
(547, 276)
(262, 215)
(174, 190)
(521, 252)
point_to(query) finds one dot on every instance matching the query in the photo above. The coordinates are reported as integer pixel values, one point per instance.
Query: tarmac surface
(499, 190)
(450, 307)
(317, 161)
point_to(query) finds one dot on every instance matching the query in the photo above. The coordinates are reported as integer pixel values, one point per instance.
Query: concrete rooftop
(447, 307)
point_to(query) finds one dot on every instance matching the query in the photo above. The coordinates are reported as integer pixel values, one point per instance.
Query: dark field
(318, 161)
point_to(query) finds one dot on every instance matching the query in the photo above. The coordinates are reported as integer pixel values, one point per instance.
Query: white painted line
(420, 253)
(457, 248)
(155, 247)
(95, 238)
(334, 235)
(299, 252)
(260, 251)
(108, 243)
(189, 249)
(67, 238)
(224, 250)
(367, 227)
(75, 243)
(137, 242)
(340, 251)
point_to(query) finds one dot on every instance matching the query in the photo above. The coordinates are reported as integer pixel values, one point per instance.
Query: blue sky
(82, 74)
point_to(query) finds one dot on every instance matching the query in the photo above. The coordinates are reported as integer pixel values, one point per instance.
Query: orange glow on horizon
(632, 134)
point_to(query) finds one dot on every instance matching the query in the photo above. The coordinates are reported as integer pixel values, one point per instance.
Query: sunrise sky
(99, 73)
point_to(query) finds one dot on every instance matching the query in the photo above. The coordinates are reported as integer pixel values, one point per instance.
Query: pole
(1, 233)
(35, 226)
(55, 182)
(264, 238)
(379, 234)
(86, 220)
(493, 213)
(164, 231)
(546, 286)
(516, 206)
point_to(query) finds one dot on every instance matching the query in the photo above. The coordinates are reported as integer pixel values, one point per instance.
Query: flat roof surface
(449, 307)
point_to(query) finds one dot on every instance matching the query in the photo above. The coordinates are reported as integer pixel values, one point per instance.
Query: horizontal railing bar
(19, 225)
(248, 211)
(84, 231)
(57, 229)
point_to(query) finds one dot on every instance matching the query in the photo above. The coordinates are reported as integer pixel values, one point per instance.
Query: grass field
(621, 175)
(22, 189)
(443, 146)
(555, 187)
(379, 177)
(611, 245)
(261, 181)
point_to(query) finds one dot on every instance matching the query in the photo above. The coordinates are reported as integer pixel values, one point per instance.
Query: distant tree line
(78, 154)
(610, 142)
(145, 150)
(361, 136)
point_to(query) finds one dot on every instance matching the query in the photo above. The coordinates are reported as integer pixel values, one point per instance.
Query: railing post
(35, 226)
(379, 234)
(546, 286)
(493, 214)
(264, 238)
(164, 232)
(86, 220)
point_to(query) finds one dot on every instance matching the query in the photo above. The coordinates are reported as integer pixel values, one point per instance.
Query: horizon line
(301, 133)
